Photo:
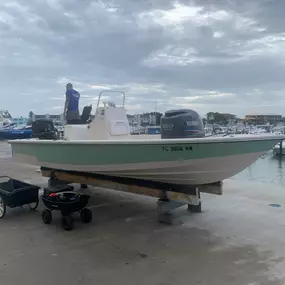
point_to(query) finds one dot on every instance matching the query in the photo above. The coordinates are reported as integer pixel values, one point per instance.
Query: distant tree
(219, 118)
(215, 117)
(210, 117)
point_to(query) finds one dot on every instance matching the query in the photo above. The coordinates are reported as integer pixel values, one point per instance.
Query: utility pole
(156, 114)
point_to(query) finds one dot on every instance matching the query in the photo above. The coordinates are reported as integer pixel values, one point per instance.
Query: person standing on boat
(71, 107)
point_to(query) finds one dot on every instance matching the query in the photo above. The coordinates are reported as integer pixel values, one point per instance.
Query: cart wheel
(33, 206)
(84, 186)
(46, 216)
(67, 223)
(86, 215)
(2, 208)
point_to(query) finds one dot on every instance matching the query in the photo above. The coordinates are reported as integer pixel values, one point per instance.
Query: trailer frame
(170, 196)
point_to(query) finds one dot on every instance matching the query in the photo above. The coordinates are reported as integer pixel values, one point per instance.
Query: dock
(237, 239)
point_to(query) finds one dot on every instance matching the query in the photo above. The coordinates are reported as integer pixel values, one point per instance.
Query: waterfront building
(260, 119)
(57, 119)
(20, 121)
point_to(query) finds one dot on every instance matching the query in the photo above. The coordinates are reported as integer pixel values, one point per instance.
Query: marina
(150, 151)
(238, 234)
(227, 182)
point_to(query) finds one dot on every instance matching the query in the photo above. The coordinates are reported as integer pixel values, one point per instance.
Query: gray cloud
(206, 55)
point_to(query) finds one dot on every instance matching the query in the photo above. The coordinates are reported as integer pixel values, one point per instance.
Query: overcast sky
(206, 55)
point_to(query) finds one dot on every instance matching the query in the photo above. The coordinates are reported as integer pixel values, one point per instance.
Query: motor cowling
(183, 123)
(44, 129)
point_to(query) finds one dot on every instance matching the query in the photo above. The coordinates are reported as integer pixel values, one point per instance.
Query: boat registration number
(177, 148)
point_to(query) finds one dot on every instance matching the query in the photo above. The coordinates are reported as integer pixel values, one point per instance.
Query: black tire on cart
(67, 223)
(86, 215)
(46, 216)
(2, 207)
(34, 206)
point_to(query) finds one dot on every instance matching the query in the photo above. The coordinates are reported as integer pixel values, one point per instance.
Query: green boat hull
(192, 161)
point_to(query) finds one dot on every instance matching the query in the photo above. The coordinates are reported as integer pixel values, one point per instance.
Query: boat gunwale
(204, 140)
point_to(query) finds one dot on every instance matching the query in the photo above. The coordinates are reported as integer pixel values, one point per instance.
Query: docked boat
(153, 130)
(5, 118)
(279, 150)
(9, 130)
(11, 133)
(181, 155)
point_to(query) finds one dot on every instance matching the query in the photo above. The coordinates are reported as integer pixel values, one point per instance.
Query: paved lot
(238, 239)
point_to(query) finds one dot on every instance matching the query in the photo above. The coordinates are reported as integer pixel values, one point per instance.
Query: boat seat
(86, 114)
(84, 118)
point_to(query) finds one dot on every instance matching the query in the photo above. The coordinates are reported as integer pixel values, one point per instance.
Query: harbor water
(267, 169)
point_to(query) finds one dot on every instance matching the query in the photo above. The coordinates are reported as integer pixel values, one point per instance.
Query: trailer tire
(46, 216)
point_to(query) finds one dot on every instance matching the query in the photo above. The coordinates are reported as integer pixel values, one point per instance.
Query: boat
(106, 147)
(153, 130)
(5, 118)
(277, 150)
(9, 130)
(11, 133)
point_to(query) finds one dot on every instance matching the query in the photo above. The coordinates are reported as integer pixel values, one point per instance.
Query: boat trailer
(170, 196)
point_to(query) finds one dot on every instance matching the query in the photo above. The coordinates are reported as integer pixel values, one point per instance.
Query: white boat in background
(277, 150)
(137, 129)
(279, 129)
(5, 118)
(105, 146)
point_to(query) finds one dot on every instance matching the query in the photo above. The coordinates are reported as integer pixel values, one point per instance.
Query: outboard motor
(183, 123)
(44, 129)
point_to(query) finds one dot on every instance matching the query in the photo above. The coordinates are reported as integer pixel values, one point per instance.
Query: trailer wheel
(67, 223)
(46, 217)
(2, 207)
(86, 215)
